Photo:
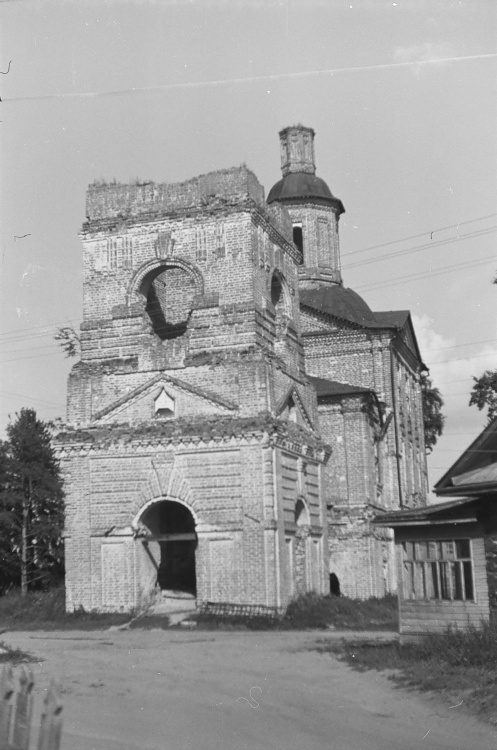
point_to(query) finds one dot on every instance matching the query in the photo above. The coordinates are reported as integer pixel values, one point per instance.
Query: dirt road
(174, 690)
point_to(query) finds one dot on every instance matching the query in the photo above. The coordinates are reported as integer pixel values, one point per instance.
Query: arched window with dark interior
(276, 290)
(169, 292)
(292, 410)
(298, 238)
(301, 513)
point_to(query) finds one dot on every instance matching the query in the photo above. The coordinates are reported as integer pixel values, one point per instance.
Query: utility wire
(43, 330)
(418, 248)
(458, 359)
(457, 346)
(416, 236)
(35, 356)
(428, 274)
(24, 395)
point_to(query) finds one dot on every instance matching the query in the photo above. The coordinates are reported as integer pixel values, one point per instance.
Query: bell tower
(313, 209)
(297, 150)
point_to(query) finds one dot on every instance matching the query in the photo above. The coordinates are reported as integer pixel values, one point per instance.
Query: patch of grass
(46, 611)
(313, 611)
(462, 665)
(150, 622)
(14, 656)
(208, 621)
(341, 613)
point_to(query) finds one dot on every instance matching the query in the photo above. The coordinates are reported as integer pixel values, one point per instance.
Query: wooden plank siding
(421, 616)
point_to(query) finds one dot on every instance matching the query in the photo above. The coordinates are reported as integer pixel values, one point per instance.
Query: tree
(433, 418)
(31, 506)
(68, 340)
(484, 393)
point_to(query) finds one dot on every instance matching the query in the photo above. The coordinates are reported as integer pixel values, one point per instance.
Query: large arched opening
(168, 293)
(166, 288)
(169, 536)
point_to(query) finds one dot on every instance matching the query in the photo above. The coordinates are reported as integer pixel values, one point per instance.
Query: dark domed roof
(301, 185)
(340, 302)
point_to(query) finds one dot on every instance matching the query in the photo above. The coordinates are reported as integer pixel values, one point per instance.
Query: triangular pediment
(163, 397)
(291, 407)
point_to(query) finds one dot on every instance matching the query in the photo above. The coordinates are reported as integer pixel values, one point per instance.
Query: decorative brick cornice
(214, 433)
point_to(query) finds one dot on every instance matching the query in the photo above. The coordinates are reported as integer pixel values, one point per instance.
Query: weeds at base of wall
(317, 612)
(460, 667)
(46, 610)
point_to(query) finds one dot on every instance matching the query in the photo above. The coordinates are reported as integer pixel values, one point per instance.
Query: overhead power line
(31, 398)
(458, 359)
(457, 346)
(35, 356)
(428, 274)
(422, 234)
(418, 248)
(43, 330)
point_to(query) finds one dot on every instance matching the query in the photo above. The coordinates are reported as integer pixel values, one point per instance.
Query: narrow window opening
(301, 514)
(276, 290)
(292, 410)
(298, 238)
(164, 405)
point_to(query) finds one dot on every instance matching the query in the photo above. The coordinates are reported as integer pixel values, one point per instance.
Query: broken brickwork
(229, 433)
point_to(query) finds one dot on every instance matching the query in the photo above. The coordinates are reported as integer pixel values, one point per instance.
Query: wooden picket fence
(16, 710)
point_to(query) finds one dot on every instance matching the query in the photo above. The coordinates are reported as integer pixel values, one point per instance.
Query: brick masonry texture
(191, 418)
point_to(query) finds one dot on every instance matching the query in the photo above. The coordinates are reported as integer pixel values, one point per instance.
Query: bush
(46, 611)
(317, 612)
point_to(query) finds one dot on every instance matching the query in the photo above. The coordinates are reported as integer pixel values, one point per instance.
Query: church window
(201, 244)
(128, 252)
(323, 239)
(164, 405)
(298, 237)
(115, 245)
(301, 514)
(276, 290)
(220, 241)
(292, 410)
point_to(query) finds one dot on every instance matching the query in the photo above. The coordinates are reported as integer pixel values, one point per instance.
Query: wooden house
(446, 553)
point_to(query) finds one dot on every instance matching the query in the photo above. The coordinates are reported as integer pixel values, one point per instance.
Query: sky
(403, 99)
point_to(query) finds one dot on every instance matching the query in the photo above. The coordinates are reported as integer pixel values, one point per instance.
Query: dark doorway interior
(334, 584)
(177, 566)
(172, 525)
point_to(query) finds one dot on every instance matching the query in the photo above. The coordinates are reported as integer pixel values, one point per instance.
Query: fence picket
(23, 705)
(16, 708)
(51, 720)
(6, 693)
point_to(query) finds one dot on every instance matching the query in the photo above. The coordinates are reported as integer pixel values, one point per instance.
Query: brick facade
(197, 449)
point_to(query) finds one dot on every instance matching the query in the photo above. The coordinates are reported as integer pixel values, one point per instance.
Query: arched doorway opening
(171, 540)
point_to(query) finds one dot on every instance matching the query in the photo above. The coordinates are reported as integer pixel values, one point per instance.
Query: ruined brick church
(238, 415)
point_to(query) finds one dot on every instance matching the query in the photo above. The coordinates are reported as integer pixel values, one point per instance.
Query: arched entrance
(170, 538)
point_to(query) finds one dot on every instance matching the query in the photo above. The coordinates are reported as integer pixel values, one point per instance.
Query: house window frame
(432, 571)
